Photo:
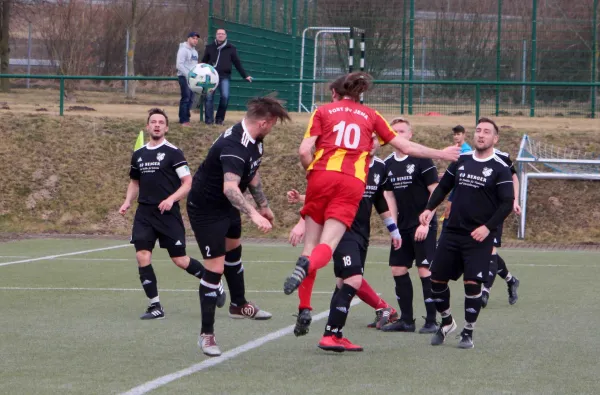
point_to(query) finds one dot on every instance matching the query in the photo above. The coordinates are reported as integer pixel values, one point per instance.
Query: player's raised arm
(387, 135)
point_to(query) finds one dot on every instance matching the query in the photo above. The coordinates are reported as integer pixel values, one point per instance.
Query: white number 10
(349, 134)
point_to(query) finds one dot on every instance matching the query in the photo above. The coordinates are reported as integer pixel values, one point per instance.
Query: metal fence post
(533, 55)
(594, 57)
(477, 101)
(126, 52)
(262, 14)
(250, 16)
(411, 56)
(237, 11)
(422, 69)
(403, 55)
(61, 105)
(499, 29)
(29, 54)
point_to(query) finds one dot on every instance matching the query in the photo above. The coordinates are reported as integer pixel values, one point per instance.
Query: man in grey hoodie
(187, 58)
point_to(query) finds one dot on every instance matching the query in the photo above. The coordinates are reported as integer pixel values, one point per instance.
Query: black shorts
(498, 236)
(211, 230)
(149, 224)
(420, 251)
(349, 259)
(460, 254)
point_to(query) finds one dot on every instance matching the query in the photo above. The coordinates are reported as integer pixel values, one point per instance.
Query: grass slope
(69, 175)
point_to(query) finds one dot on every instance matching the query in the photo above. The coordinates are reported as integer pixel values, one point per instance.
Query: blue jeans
(187, 97)
(224, 100)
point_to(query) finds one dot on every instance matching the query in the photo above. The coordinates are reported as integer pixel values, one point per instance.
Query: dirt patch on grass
(70, 173)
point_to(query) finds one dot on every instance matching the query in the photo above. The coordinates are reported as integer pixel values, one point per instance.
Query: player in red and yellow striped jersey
(341, 132)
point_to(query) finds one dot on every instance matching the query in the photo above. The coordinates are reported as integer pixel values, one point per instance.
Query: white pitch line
(290, 262)
(49, 257)
(163, 380)
(130, 290)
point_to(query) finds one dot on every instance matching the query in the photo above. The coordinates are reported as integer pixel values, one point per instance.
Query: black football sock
(493, 269)
(404, 294)
(338, 311)
(234, 274)
(472, 306)
(195, 268)
(428, 299)
(441, 296)
(148, 280)
(209, 288)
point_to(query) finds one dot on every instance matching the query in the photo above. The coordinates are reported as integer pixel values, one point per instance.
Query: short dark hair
(220, 28)
(267, 107)
(458, 129)
(352, 84)
(488, 120)
(154, 111)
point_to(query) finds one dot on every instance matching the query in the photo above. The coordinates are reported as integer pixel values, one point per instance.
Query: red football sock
(370, 297)
(320, 257)
(305, 290)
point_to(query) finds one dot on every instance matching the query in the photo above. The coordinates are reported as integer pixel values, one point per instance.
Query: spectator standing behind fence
(222, 55)
(187, 58)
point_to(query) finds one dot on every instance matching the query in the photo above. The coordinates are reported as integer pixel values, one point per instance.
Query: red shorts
(331, 194)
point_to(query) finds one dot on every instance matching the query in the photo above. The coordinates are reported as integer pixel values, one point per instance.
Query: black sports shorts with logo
(420, 251)
(149, 225)
(458, 255)
(211, 229)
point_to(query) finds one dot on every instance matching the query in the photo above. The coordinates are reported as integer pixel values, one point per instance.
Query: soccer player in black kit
(483, 198)
(214, 206)
(160, 177)
(409, 183)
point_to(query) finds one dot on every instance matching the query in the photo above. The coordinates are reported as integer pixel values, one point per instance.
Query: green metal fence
(473, 98)
(483, 40)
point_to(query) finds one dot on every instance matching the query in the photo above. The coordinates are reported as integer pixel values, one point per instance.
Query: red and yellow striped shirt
(345, 137)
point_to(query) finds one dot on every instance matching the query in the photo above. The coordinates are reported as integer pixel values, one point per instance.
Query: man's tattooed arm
(232, 191)
(256, 190)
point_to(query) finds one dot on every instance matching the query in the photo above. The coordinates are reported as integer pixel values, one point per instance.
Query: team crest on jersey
(487, 171)
(160, 156)
(410, 168)
(260, 148)
(376, 179)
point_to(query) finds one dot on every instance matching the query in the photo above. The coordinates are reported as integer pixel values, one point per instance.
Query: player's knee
(181, 261)
(424, 272)
(354, 281)
(144, 257)
(215, 265)
(472, 290)
(234, 256)
(399, 271)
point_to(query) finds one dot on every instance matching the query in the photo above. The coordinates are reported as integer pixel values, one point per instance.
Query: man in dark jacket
(222, 55)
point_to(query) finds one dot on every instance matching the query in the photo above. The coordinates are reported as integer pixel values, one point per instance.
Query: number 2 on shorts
(207, 248)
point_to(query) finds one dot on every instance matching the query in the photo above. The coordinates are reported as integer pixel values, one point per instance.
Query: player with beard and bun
(214, 206)
(483, 198)
(350, 255)
(160, 178)
(409, 184)
(497, 264)
(342, 134)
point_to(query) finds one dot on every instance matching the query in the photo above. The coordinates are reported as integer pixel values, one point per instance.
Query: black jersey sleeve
(443, 188)
(511, 165)
(178, 159)
(134, 170)
(379, 200)
(506, 197)
(233, 160)
(429, 172)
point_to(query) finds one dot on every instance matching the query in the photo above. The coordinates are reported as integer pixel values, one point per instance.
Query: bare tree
(134, 12)
(5, 9)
